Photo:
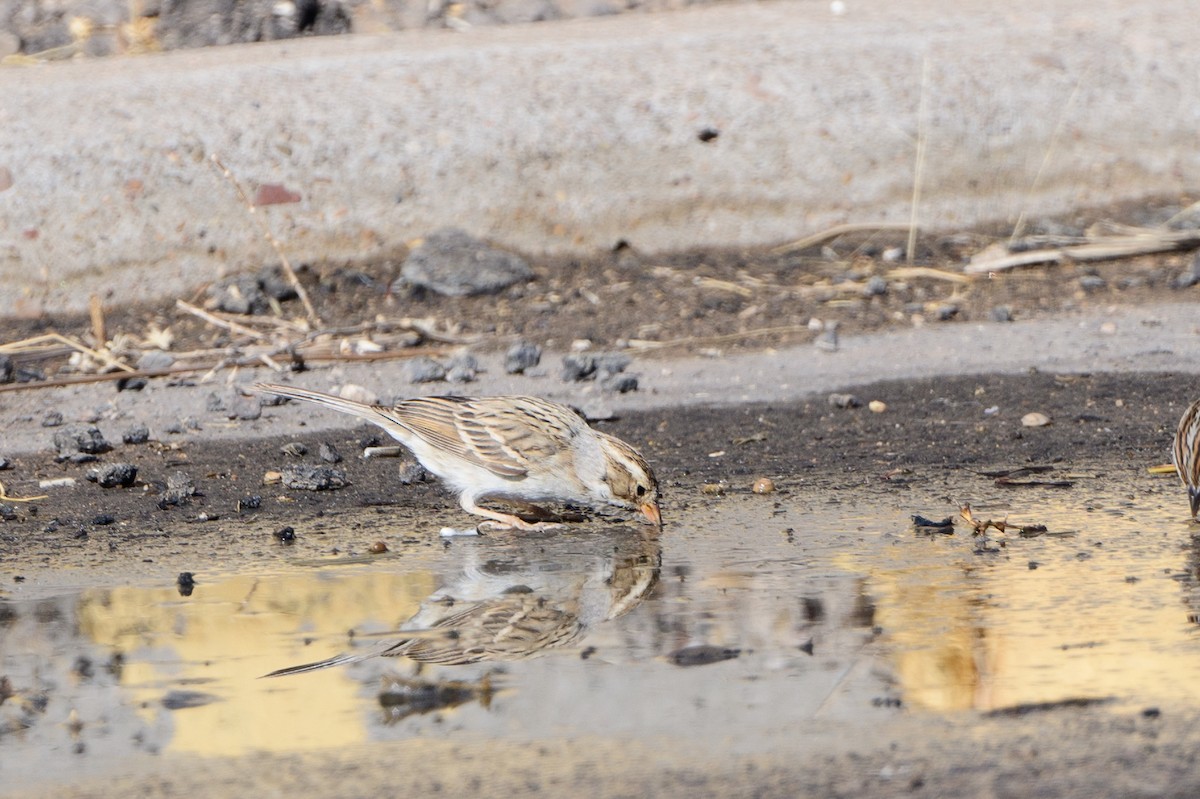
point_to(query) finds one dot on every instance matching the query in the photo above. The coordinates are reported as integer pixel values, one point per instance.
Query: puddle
(774, 612)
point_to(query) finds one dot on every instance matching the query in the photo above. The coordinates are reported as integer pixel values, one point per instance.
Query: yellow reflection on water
(972, 631)
(225, 636)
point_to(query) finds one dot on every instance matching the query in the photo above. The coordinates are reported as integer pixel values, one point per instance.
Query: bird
(514, 449)
(1187, 454)
(513, 610)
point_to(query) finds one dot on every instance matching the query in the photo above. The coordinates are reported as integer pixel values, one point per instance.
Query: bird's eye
(641, 491)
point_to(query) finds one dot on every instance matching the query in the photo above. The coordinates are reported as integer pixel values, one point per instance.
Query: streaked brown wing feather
(1187, 440)
(509, 628)
(504, 435)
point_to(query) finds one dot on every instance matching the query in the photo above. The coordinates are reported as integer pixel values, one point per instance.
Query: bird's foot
(511, 523)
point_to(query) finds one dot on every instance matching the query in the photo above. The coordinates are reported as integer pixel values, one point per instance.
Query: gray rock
(578, 366)
(276, 285)
(154, 360)
(521, 356)
(328, 453)
(244, 408)
(113, 475)
(1002, 313)
(138, 434)
(78, 438)
(214, 403)
(6, 369)
(8, 513)
(294, 449)
(1091, 283)
(52, 419)
(844, 401)
(876, 287)
(946, 311)
(411, 472)
(611, 363)
(620, 383)
(461, 374)
(424, 370)
(179, 491)
(314, 478)
(5, 463)
(454, 263)
(240, 294)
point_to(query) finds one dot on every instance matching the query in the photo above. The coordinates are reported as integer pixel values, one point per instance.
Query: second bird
(521, 450)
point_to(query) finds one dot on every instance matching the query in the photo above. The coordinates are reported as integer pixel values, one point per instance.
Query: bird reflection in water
(535, 595)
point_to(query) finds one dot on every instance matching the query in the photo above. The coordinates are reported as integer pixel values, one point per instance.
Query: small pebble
(244, 408)
(946, 311)
(876, 287)
(412, 472)
(357, 393)
(8, 513)
(272, 477)
(138, 434)
(103, 520)
(378, 548)
(285, 535)
(424, 370)
(620, 384)
(577, 367)
(154, 360)
(1091, 283)
(80, 439)
(763, 485)
(294, 449)
(713, 489)
(57, 482)
(1035, 419)
(5, 463)
(314, 478)
(521, 356)
(114, 475)
(702, 655)
(461, 374)
(876, 406)
(844, 401)
(328, 453)
(52, 419)
(250, 502)
(1001, 313)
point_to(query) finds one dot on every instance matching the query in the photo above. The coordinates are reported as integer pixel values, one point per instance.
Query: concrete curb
(570, 136)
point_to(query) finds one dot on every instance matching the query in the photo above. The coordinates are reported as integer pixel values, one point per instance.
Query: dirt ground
(939, 432)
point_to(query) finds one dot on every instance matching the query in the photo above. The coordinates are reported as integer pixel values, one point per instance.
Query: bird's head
(630, 479)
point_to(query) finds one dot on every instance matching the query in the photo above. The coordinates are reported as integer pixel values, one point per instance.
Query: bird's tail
(320, 664)
(352, 407)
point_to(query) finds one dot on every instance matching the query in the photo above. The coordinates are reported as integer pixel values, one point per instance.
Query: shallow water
(746, 618)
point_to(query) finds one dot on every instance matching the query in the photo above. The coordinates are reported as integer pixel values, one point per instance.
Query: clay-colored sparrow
(512, 608)
(1187, 454)
(522, 450)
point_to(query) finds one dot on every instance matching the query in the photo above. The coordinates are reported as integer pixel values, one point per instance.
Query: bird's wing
(510, 627)
(505, 435)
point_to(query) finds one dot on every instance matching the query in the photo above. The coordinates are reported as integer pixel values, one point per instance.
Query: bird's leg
(507, 521)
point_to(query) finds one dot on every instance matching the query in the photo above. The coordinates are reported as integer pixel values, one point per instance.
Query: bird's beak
(651, 512)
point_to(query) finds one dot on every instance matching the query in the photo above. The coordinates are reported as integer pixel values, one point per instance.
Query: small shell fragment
(269, 478)
(763, 485)
(713, 489)
(451, 532)
(1035, 419)
(876, 406)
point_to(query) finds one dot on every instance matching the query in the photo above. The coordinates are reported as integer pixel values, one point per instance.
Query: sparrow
(1187, 454)
(518, 450)
(517, 610)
